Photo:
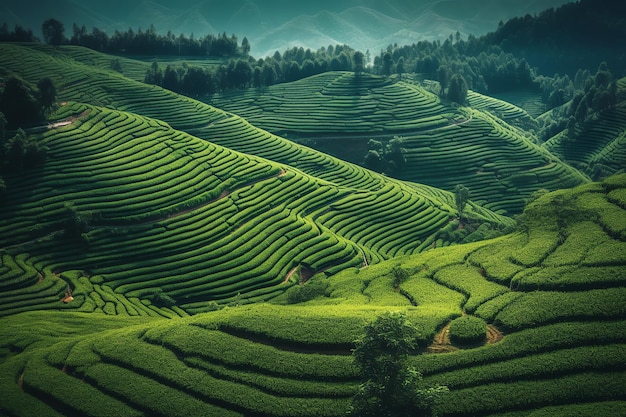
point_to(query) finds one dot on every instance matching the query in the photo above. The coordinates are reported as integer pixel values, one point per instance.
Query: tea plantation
(171, 258)
(559, 315)
(598, 148)
(441, 145)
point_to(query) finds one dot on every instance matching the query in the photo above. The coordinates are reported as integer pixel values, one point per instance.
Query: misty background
(272, 25)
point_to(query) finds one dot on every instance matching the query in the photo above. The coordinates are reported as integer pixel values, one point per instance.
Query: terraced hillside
(171, 214)
(599, 147)
(553, 293)
(441, 145)
(102, 87)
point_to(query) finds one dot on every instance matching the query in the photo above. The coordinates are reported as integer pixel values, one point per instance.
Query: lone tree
(358, 61)
(461, 195)
(391, 387)
(457, 89)
(53, 32)
(47, 94)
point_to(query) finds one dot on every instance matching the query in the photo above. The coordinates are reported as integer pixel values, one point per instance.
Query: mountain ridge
(279, 25)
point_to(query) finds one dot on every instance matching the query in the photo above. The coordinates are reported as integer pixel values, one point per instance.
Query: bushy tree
(76, 222)
(400, 66)
(53, 32)
(21, 151)
(18, 103)
(154, 75)
(443, 75)
(391, 387)
(461, 195)
(457, 89)
(358, 62)
(47, 93)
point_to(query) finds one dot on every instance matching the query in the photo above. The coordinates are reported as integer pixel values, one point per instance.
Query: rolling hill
(553, 293)
(171, 258)
(598, 148)
(229, 226)
(441, 145)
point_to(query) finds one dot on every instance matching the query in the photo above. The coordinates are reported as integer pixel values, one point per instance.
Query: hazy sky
(277, 24)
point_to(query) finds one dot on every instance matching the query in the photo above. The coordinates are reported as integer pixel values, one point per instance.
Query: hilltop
(433, 142)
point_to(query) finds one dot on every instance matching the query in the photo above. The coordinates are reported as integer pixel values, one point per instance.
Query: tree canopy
(53, 32)
(391, 387)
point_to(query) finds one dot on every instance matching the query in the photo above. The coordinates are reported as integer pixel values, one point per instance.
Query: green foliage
(468, 330)
(391, 388)
(457, 89)
(307, 291)
(47, 94)
(461, 196)
(18, 103)
(537, 308)
(161, 299)
(76, 222)
(52, 31)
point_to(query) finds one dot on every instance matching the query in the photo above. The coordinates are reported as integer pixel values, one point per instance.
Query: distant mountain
(276, 25)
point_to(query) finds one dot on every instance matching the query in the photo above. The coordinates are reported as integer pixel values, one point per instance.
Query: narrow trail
(290, 274)
(59, 123)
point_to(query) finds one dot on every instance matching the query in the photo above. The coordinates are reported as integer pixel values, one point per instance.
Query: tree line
(577, 35)
(131, 42)
(244, 72)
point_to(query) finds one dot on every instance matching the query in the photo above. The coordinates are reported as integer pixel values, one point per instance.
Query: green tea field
(440, 145)
(172, 257)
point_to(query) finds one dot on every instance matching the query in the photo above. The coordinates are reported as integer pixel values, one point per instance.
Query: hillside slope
(227, 225)
(230, 227)
(598, 148)
(554, 294)
(440, 145)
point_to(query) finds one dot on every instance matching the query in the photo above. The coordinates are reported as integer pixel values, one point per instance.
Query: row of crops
(338, 102)
(500, 167)
(177, 223)
(563, 351)
(599, 147)
(442, 146)
(504, 110)
(169, 213)
(439, 157)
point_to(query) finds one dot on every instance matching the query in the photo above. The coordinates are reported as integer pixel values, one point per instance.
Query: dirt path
(290, 274)
(494, 335)
(64, 122)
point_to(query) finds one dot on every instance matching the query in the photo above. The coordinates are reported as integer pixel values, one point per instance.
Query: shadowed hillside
(597, 148)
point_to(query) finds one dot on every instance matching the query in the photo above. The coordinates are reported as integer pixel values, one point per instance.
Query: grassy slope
(443, 145)
(230, 227)
(598, 148)
(556, 289)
